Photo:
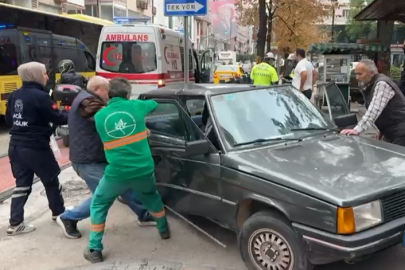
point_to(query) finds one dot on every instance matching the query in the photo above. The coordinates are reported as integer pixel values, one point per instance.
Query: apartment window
(346, 13)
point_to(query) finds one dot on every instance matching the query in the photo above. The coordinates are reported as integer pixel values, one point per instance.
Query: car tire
(283, 245)
(65, 141)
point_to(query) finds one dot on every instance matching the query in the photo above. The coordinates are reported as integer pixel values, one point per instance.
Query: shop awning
(385, 10)
(345, 48)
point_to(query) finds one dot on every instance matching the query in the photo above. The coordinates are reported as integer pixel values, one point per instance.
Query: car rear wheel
(267, 242)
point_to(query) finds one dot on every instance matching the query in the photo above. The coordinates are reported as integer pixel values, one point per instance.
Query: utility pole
(99, 9)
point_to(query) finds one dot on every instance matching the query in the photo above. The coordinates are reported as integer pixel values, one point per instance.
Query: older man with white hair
(87, 155)
(385, 105)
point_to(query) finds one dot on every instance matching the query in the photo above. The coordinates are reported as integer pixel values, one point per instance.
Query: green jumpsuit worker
(122, 129)
(264, 73)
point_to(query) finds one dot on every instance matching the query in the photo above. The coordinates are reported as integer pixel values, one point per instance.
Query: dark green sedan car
(269, 165)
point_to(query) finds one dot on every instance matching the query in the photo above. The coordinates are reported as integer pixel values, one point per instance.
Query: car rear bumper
(324, 247)
(62, 130)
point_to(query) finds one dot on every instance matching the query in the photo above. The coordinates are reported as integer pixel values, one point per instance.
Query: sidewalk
(7, 180)
(125, 241)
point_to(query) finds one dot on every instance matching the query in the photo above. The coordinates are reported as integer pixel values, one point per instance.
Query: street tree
(292, 23)
(356, 29)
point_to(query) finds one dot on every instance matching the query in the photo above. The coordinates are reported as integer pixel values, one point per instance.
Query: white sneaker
(20, 229)
(66, 208)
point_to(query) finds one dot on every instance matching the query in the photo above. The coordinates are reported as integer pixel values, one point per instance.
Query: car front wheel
(267, 242)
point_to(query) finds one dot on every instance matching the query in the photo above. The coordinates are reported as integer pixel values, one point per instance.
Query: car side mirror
(345, 121)
(200, 147)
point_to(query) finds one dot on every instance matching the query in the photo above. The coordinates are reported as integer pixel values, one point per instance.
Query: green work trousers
(105, 195)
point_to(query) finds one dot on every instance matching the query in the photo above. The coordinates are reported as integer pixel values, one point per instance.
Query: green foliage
(355, 29)
(395, 72)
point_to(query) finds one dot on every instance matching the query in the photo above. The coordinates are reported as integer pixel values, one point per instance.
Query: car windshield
(227, 68)
(265, 115)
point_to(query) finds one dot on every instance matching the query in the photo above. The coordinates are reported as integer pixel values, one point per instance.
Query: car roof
(201, 89)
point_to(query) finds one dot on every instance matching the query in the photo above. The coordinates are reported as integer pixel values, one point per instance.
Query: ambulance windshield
(128, 57)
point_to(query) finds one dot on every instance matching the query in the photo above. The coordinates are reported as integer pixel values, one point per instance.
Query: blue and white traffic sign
(186, 7)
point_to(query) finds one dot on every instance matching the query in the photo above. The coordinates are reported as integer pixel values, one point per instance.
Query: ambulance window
(8, 59)
(128, 57)
(190, 59)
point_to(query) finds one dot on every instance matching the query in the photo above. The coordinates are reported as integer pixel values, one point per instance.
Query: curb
(5, 194)
(145, 264)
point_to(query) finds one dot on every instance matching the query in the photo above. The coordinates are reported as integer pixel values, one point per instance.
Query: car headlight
(355, 219)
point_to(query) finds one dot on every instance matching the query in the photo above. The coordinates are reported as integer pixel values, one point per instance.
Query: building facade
(109, 8)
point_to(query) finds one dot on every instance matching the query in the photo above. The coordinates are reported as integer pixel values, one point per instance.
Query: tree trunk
(269, 29)
(261, 35)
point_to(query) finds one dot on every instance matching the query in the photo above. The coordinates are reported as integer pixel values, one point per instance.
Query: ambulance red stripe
(160, 76)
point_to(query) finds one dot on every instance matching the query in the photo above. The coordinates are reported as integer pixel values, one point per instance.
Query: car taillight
(237, 76)
(67, 108)
(4, 96)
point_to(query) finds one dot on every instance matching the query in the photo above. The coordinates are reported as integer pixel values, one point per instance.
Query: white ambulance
(149, 56)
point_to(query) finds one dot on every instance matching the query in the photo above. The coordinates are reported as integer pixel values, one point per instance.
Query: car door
(188, 183)
(335, 102)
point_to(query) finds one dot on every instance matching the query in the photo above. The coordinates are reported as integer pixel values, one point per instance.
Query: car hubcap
(269, 250)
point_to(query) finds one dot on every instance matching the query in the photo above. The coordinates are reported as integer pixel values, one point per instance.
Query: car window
(166, 120)
(265, 114)
(225, 68)
(195, 106)
(337, 104)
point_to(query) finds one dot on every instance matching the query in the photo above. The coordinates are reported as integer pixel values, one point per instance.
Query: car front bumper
(324, 247)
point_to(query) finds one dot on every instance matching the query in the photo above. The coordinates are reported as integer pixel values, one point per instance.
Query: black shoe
(93, 256)
(69, 227)
(149, 221)
(165, 234)
(121, 200)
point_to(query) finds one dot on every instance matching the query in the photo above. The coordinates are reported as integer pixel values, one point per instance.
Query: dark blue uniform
(30, 110)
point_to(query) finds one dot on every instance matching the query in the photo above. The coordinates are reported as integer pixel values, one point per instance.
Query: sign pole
(186, 52)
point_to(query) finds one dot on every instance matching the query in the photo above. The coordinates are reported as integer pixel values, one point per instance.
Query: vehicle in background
(227, 57)
(31, 35)
(225, 73)
(247, 66)
(22, 45)
(150, 56)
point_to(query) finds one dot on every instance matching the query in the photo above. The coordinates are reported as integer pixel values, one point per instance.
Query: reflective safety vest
(264, 74)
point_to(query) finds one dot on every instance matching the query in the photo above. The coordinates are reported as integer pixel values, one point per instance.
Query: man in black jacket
(69, 74)
(30, 110)
(384, 102)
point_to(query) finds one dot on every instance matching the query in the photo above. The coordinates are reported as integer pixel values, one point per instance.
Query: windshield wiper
(313, 128)
(258, 141)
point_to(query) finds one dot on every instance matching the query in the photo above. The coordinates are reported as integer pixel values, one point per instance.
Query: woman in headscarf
(30, 110)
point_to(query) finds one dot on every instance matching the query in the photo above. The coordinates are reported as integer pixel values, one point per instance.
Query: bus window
(77, 56)
(8, 59)
(91, 62)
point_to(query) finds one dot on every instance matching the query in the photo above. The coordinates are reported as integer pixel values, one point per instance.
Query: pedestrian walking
(88, 158)
(30, 110)
(305, 75)
(385, 105)
(122, 128)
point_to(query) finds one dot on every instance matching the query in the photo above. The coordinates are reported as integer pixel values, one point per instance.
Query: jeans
(92, 174)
